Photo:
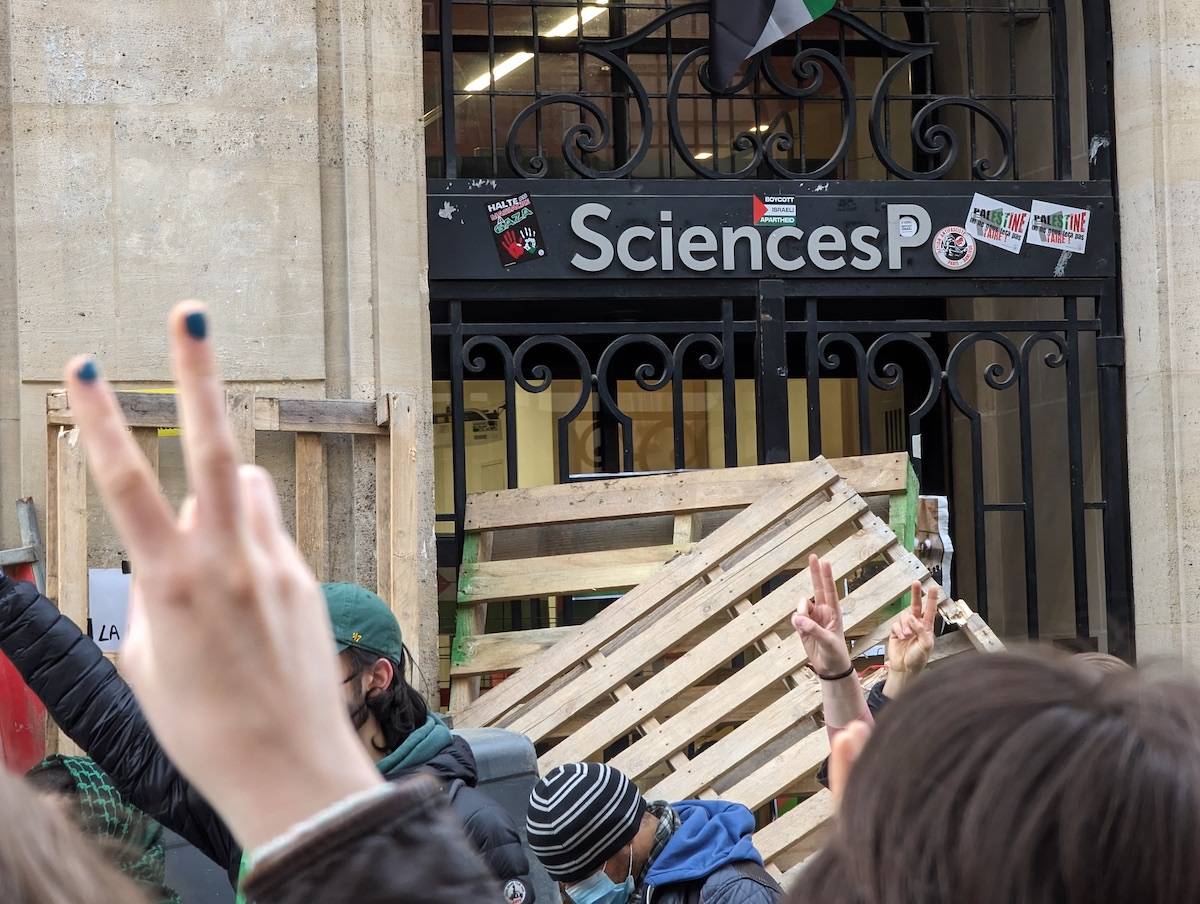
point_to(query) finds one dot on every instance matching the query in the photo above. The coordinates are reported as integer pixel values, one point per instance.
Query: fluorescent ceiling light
(503, 68)
(704, 155)
(567, 26)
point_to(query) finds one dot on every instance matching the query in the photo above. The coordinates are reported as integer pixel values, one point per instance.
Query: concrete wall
(1156, 56)
(261, 154)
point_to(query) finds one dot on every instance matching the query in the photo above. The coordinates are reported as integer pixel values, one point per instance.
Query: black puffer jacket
(96, 708)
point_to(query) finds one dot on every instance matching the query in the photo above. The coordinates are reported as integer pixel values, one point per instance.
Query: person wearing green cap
(96, 708)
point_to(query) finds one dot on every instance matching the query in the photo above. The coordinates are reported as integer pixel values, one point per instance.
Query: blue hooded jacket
(711, 834)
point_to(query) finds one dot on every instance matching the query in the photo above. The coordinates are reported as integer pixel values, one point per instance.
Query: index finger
(208, 443)
(123, 477)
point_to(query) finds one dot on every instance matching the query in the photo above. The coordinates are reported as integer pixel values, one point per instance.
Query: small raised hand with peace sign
(911, 640)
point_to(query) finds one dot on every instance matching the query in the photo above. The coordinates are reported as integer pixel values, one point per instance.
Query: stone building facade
(271, 158)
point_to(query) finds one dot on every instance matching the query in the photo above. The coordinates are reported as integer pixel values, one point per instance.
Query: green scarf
(104, 813)
(419, 747)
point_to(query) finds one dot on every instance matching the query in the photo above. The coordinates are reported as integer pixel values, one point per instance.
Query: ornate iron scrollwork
(583, 137)
(761, 147)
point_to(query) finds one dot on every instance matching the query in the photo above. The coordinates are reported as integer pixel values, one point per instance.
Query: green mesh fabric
(105, 814)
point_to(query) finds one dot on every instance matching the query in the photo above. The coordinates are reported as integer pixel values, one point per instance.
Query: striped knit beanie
(579, 815)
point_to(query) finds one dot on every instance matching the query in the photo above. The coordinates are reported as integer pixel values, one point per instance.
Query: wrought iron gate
(1007, 387)
(967, 386)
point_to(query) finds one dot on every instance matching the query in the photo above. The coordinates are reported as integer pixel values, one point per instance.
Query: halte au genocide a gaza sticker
(953, 248)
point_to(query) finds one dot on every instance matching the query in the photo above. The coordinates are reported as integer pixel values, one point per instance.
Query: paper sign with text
(996, 223)
(1057, 226)
(108, 606)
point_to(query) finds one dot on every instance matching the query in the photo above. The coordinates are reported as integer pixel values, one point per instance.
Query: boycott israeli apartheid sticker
(996, 223)
(1058, 226)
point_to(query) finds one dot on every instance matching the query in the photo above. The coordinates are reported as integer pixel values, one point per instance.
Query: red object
(760, 209)
(22, 716)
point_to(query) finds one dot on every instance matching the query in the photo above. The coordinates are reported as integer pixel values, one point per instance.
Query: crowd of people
(313, 772)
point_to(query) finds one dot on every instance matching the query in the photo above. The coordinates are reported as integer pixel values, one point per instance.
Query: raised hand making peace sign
(818, 621)
(911, 640)
(223, 609)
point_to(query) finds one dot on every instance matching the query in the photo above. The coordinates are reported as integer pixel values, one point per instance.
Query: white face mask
(599, 889)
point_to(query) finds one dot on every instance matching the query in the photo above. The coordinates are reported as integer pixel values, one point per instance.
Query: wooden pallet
(403, 579)
(556, 541)
(709, 624)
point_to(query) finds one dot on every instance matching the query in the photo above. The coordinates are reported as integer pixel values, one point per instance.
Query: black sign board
(481, 229)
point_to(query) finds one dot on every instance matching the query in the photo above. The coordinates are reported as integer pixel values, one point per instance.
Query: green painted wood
(464, 618)
(902, 519)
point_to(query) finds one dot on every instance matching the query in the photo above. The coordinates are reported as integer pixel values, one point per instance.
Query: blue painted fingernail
(196, 324)
(87, 372)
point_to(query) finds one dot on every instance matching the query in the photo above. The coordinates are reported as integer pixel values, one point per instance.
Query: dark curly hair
(398, 708)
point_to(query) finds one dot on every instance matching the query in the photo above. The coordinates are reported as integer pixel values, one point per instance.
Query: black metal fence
(1014, 418)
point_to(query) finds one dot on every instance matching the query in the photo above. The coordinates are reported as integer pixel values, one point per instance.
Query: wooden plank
(785, 659)
(686, 530)
(747, 709)
(674, 494)
(788, 767)
(317, 416)
(470, 621)
(141, 409)
(723, 645)
(52, 511)
(73, 543)
(504, 651)
(154, 409)
(72, 528)
(239, 403)
(735, 582)
(507, 651)
(805, 824)
(147, 440)
(411, 592)
(312, 517)
(645, 597)
(742, 742)
(613, 569)
(982, 637)
(902, 519)
(31, 536)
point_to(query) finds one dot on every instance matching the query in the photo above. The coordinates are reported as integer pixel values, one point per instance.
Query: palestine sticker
(954, 248)
(774, 210)
(996, 223)
(1058, 226)
(515, 228)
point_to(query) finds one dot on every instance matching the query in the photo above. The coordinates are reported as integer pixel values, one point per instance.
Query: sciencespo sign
(753, 248)
(505, 230)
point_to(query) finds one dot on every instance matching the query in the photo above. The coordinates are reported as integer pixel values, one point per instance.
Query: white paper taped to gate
(1059, 226)
(996, 223)
(108, 606)
(934, 545)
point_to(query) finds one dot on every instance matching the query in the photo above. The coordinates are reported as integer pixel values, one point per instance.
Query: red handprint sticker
(512, 245)
(516, 231)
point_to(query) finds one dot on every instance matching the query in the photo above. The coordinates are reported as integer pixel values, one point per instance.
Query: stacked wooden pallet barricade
(692, 682)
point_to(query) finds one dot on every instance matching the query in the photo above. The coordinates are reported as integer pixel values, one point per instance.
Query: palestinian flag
(741, 28)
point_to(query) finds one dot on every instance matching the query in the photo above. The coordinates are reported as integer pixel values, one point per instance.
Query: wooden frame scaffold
(392, 420)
